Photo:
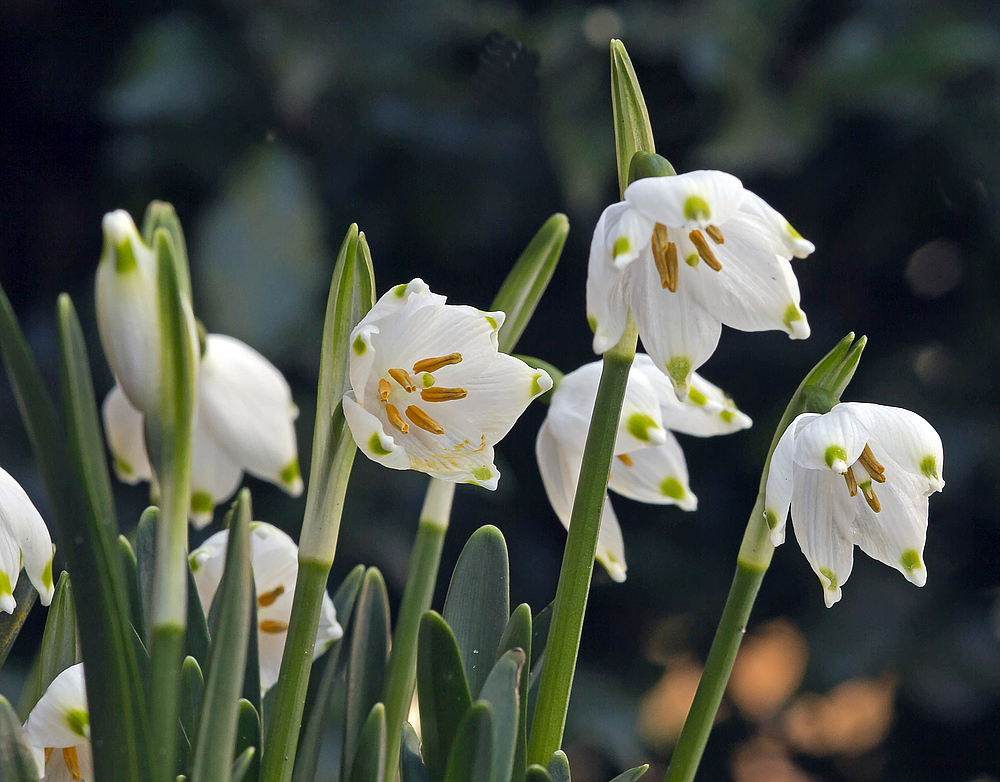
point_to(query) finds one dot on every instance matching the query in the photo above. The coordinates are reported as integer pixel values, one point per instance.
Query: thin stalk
(578, 558)
(417, 595)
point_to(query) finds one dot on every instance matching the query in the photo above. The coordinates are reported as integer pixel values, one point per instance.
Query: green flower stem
(424, 561)
(578, 558)
(165, 686)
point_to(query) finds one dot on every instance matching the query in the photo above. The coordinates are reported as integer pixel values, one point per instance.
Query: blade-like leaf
(130, 569)
(411, 766)
(632, 130)
(537, 773)
(558, 767)
(442, 691)
(60, 645)
(251, 674)
(501, 692)
(217, 721)
(145, 564)
(539, 637)
(517, 635)
(241, 766)
(632, 774)
(471, 757)
(10, 624)
(196, 642)
(527, 281)
(369, 759)
(15, 757)
(366, 662)
(248, 736)
(160, 214)
(478, 604)
(192, 687)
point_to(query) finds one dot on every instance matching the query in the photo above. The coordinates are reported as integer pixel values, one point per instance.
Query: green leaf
(217, 721)
(442, 691)
(632, 774)
(537, 773)
(192, 687)
(478, 602)
(10, 624)
(411, 766)
(369, 759)
(632, 130)
(471, 757)
(318, 714)
(90, 544)
(130, 569)
(241, 766)
(60, 646)
(366, 661)
(248, 736)
(517, 635)
(539, 638)
(196, 641)
(558, 767)
(527, 281)
(251, 673)
(161, 215)
(15, 757)
(145, 564)
(501, 692)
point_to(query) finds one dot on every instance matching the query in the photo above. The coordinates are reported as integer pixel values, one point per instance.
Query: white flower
(128, 311)
(24, 539)
(686, 254)
(243, 421)
(58, 730)
(430, 389)
(274, 560)
(826, 467)
(649, 464)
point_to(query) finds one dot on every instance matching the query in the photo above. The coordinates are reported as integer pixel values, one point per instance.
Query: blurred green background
(450, 131)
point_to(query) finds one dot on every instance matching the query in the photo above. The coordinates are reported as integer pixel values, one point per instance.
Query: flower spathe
(274, 561)
(58, 730)
(244, 420)
(24, 539)
(430, 390)
(649, 464)
(686, 254)
(860, 474)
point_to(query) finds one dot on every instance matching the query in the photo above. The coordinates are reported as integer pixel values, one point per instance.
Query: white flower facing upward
(686, 254)
(58, 730)
(430, 389)
(649, 465)
(24, 539)
(826, 469)
(274, 561)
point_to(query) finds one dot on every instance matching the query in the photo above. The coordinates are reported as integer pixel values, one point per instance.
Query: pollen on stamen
(439, 394)
(870, 497)
(384, 389)
(402, 377)
(715, 234)
(871, 465)
(698, 239)
(424, 421)
(625, 459)
(396, 419)
(268, 598)
(72, 761)
(665, 257)
(436, 363)
(852, 482)
(273, 626)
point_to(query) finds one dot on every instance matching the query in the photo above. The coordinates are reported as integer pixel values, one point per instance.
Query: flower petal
(215, 477)
(607, 307)
(246, 406)
(832, 441)
(697, 198)
(906, 438)
(780, 478)
(822, 511)
(624, 233)
(23, 538)
(371, 437)
(655, 475)
(755, 207)
(61, 717)
(123, 426)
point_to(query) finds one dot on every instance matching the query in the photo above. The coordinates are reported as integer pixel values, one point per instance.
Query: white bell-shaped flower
(58, 730)
(274, 561)
(24, 539)
(430, 389)
(686, 254)
(649, 464)
(860, 474)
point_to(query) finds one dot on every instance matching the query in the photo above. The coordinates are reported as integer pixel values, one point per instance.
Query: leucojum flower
(24, 539)
(430, 390)
(244, 418)
(649, 464)
(686, 254)
(860, 474)
(274, 561)
(58, 730)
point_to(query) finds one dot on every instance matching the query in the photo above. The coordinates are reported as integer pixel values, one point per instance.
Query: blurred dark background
(450, 131)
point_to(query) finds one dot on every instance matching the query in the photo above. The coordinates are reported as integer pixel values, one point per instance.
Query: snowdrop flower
(244, 420)
(826, 469)
(58, 730)
(430, 389)
(274, 561)
(24, 539)
(686, 254)
(649, 465)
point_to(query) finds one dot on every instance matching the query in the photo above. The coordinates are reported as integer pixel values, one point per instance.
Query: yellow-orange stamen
(434, 364)
(438, 394)
(402, 377)
(396, 419)
(424, 421)
(72, 762)
(625, 459)
(665, 257)
(871, 464)
(870, 498)
(852, 482)
(715, 234)
(273, 626)
(384, 389)
(268, 598)
(48, 754)
(698, 238)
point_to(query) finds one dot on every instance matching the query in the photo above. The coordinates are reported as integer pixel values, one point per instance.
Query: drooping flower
(649, 464)
(826, 468)
(430, 389)
(686, 254)
(58, 730)
(274, 561)
(24, 539)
